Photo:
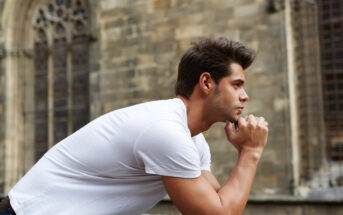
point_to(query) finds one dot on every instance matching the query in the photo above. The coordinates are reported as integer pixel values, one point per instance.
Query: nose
(243, 96)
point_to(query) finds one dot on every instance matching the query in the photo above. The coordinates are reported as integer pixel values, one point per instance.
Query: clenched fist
(249, 134)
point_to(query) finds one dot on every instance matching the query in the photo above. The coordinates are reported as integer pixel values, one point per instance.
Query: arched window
(331, 42)
(318, 35)
(61, 77)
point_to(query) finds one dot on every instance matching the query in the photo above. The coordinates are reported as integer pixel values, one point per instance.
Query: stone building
(65, 62)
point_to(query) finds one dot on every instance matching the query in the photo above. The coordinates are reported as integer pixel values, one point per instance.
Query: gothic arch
(19, 72)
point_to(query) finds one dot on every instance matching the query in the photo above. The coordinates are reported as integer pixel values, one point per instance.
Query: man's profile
(127, 160)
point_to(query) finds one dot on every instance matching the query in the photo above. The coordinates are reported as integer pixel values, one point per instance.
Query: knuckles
(253, 123)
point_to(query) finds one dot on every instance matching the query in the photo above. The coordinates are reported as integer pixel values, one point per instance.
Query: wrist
(253, 154)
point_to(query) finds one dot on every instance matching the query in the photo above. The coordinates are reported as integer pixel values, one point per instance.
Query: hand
(250, 134)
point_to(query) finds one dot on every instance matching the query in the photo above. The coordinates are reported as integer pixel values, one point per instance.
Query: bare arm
(198, 196)
(211, 179)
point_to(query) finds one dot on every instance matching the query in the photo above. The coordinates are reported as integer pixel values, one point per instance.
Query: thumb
(229, 130)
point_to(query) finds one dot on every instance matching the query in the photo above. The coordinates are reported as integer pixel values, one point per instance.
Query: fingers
(254, 121)
(242, 122)
(250, 121)
(229, 129)
(262, 122)
(251, 133)
(228, 125)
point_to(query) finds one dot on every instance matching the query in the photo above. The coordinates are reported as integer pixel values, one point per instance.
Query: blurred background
(66, 62)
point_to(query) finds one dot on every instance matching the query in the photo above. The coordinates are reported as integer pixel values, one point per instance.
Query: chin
(235, 119)
(232, 119)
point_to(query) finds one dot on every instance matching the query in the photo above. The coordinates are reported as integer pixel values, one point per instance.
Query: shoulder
(165, 133)
(200, 142)
(144, 114)
(199, 138)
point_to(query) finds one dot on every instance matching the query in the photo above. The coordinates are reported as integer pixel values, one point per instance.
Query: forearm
(200, 196)
(235, 192)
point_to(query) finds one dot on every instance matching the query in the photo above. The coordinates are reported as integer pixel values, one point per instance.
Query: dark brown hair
(212, 55)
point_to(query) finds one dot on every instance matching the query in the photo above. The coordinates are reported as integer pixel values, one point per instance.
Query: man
(124, 161)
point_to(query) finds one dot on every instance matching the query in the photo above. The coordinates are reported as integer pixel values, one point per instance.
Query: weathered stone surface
(2, 111)
(134, 57)
(141, 43)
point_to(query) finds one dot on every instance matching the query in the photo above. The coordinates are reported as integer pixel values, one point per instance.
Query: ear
(206, 83)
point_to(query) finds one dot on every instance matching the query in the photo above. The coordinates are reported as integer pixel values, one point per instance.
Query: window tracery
(61, 94)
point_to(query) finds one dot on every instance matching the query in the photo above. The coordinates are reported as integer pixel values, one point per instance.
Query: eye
(237, 85)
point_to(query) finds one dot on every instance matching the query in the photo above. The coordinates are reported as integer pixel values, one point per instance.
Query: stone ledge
(292, 199)
(288, 199)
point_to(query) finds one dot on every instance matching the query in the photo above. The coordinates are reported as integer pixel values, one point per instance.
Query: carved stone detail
(61, 28)
(59, 18)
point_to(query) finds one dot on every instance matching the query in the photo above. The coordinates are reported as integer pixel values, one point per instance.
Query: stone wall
(142, 42)
(2, 127)
(2, 105)
(136, 47)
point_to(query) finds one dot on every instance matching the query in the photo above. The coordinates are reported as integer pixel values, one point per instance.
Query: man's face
(229, 95)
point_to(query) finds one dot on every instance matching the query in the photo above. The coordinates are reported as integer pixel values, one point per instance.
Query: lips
(240, 109)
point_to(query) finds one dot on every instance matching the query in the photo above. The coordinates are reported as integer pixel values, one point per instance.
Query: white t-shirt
(113, 164)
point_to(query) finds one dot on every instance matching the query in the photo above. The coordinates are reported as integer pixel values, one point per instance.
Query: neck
(197, 117)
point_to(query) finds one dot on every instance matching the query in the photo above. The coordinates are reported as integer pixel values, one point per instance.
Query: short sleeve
(204, 151)
(166, 149)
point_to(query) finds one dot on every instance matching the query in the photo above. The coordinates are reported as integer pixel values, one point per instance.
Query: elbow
(233, 208)
(229, 211)
(219, 210)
